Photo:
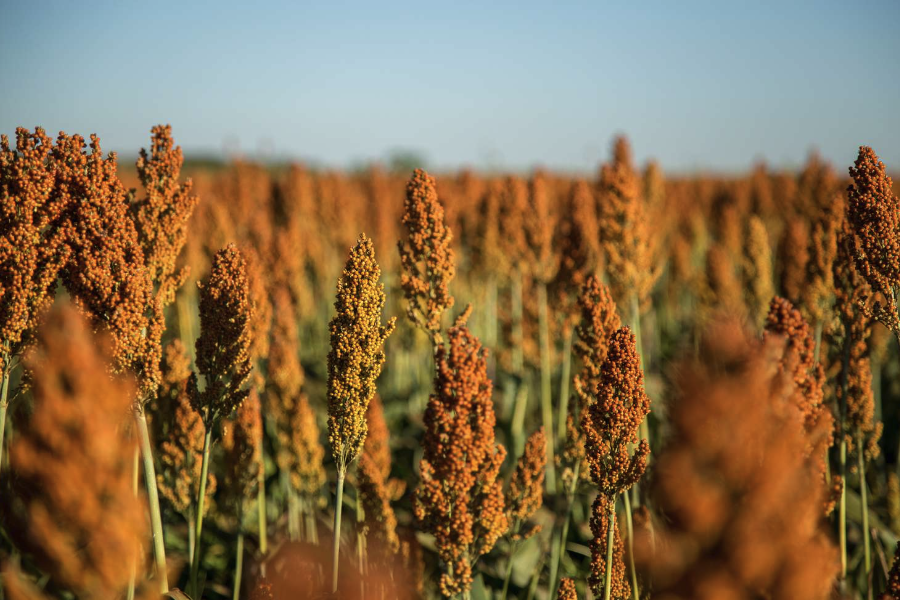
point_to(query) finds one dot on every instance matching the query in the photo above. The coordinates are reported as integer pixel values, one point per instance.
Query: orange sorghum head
(223, 348)
(356, 356)
(734, 486)
(261, 307)
(757, 268)
(106, 273)
(567, 589)
(893, 584)
(612, 420)
(426, 256)
(818, 291)
(578, 243)
(71, 464)
(380, 522)
(874, 213)
(302, 450)
(625, 228)
(799, 363)
(32, 246)
(242, 441)
(540, 227)
(525, 494)
(161, 216)
(793, 256)
(601, 511)
(178, 432)
(460, 499)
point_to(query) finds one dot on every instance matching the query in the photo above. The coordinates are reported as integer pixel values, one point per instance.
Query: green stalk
(861, 462)
(337, 528)
(4, 405)
(361, 547)
(517, 427)
(607, 587)
(159, 549)
(842, 511)
(564, 387)
(629, 526)
(239, 566)
(261, 514)
(518, 358)
(312, 532)
(513, 546)
(556, 566)
(818, 339)
(192, 532)
(201, 501)
(135, 473)
(546, 393)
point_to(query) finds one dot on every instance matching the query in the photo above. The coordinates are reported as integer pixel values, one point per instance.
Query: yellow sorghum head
(758, 282)
(356, 357)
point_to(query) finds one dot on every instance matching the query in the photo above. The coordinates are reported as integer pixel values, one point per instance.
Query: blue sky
(713, 85)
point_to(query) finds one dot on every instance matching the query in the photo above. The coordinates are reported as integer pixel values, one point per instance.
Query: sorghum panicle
(242, 442)
(626, 228)
(525, 494)
(106, 273)
(77, 515)
(162, 215)
(758, 270)
(874, 213)
(426, 256)
(223, 348)
(178, 432)
(566, 589)
(736, 434)
(612, 420)
(356, 356)
(460, 498)
(32, 245)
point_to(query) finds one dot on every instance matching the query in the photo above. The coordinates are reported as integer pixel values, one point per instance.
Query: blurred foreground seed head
(735, 486)
(526, 488)
(73, 509)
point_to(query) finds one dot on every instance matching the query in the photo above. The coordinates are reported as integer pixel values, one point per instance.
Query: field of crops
(268, 381)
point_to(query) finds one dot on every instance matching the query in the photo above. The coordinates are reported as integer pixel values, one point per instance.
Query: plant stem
(556, 568)
(564, 387)
(239, 566)
(4, 405)
(509, 569)
(135, 475)
(159, 549)
(629, 526)
(339, 501)
(861, 461)
(546, 392)
(261, 514)
(201, 501)
(312, 532)
(361, 546)
(842, 511)
(610, 536)
(518, 358)
(644, 427)
(192, 532)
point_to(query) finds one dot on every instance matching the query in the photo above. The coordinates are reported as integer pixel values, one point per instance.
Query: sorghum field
(275, 382)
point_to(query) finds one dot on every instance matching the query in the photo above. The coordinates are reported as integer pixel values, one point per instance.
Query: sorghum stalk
(136, 466)
(4, 405)
(354, 364)
(564, 385)
(239, 564)
(338, 506)
(201, 500)
(261, 514)
(546, 393)
(611, 528)
(861, 462)
(629, 525)
(159, 550)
